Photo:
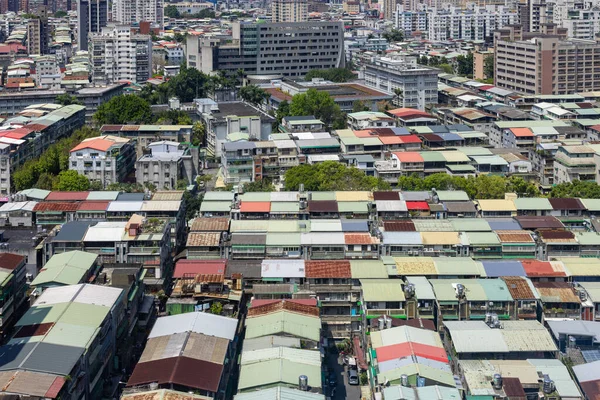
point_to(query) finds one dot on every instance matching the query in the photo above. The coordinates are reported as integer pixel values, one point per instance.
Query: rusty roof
(328, 206)
(33, 330)
(210, 225)
(591, 389)
(513, 388)
(386, 195)
(93, 205)
(209, 278)
(536, 268)
(328, 269)
(360, 238)
(211, 239)
(534, 222)
(63, 196)
(518, 287)
(56, 207)
(515, 236)
(183, 371)
(555, 236)
(399, 226)
(10, 260)
(283, 305)
(557, 292)
(567, 204)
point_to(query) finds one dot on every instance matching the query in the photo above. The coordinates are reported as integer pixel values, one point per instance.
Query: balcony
(144, 250)
(392, 312)
(327, 255)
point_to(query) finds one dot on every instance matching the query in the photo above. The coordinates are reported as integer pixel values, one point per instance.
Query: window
(98, 163)
(73, 163)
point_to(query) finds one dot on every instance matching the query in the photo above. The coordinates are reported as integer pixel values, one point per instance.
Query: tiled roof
(518, 288)
(399, 226)
(360, 238)
(210, 225)
(67, 196)
(56, 207)
(283, 305)
(514, 236)
(211, 239)
(328, 269)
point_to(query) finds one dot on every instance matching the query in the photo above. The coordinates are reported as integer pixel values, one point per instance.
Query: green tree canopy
(359, 105)
(253, 94)
(198, 134)
(66, 99)
(264, 185)
(60, 14)
(171, 12)
(71, 181)
(124, 109)
(331, 175)
(465, 65)
(174, 117)
(319, 104)
(393, 35)
(338, 75)
(488, 67)
(582, 189)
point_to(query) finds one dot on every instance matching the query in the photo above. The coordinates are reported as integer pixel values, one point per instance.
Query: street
(342, 390)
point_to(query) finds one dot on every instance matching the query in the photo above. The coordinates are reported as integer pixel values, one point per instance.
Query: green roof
(283, 239)
(285, 207)
(277, 371)
(103, 195)
(461, 168)
(382, 290)
(215, 206)
(68, 268)
(591, 204)
(71, 335)
(588, 238)
(358, 207)
(42, 314)
(424, 371)
(454, 266)
(432, 156)
(495, 290)
(301, 326)
(279, 393)
(84, 314)
(218, 196)
(38, 194)
(322, 195)
(470, 225)
(367, 269)
(532, 204)
(483, 238)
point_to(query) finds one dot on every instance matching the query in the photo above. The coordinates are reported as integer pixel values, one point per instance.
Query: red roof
(410, 139)
(255, 206)
(18, 133)
(391, 139)
(55, 388)
(360, 354)
(408, 156)
(328, 269)
(93, 205)
(406, 349)
(262, 302)
(521, 132)
(486, 87)
(417, 205)
(100, 144)
(364, 133)
(67, 196)
(535, 268)
(191, 268)
(37, 127)
(408, 113)
(10, 260)
(56, 207)
(359, 238)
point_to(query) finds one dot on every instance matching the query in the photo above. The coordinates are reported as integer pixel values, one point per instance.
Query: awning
(358, 352)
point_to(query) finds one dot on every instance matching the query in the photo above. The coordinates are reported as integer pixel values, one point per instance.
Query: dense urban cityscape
(300, 200)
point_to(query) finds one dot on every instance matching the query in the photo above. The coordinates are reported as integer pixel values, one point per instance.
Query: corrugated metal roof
(440, 238)
(399, 226)
(283, 269)
(496, 268)
(402, 238)
(277, 371)
(199, 322)
(520, 288)
(328, 269)
(557, 292)
(470, 225)
(382, 290)
(299, 325)
(366, 269)
(279, 393)
(408, 266)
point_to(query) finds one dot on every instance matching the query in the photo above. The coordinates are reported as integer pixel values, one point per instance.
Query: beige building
(479, 57)
(546, 62)
(289, 11)
(352, 6)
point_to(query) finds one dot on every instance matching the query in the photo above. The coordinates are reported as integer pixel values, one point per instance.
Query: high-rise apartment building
(128, 12)
(92, 16)
(38, 35)
(546, 62)
(288, 49)
(289, 10)
(117, 54)
(479, 23)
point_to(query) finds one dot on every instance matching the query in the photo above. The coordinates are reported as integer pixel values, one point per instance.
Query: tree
(181, 184)
(198, 134)
(447, 68)
(124, 109)
(383, 106)
(423, 60)
(216, 308)
(465, 65)
(253, 94)
(45, 181)
(172, 12)
(488, 67)
(411, 182)
(581, 189)
(338, 75)
(359, 105)
(174, 117)
(96, 185)
(192, 204)
(283, 110)
(522, 187)
(71, 181)
(331, 175)
(60, 14)
(66, 99)
(319, 104)
(187, 85)
(398, 95)
(393, 36)
(263, 185)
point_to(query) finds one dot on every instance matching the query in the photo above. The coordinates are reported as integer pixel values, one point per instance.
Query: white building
(128, 12)
(107, 159)
(475, 23)
(118, 55)
(162, 167)
(419, 85)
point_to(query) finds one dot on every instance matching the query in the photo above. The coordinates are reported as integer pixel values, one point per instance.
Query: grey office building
(92, 15)
(290, 49)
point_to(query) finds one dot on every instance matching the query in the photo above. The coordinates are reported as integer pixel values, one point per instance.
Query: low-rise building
(165, 165)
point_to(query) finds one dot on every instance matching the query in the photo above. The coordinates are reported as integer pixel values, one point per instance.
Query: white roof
(283, 269)
(391, 205)
(587, 372)
(325, 225)
(198, 322)
(125, 206)
(171, 205)
(104, 296)
(284, 196)
(105, 232)
(17, 206)
(326, 238)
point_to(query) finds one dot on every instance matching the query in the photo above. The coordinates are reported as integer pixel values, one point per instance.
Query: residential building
(13, 289)
(106, 159)
(479, 61)
(117, 54)
(416, 84)
(131, 12)
(189, 367)
(455, 23)
(38, 35)
(289, 10)
(144, 135)
(89, 355)
(549, 64)
(68, 268)
(164, 165)
(92, 17)
(265, 49)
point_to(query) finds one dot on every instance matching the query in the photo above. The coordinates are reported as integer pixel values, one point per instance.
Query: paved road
(343, 390)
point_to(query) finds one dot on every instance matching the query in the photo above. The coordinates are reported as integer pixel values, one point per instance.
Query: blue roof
(503, 224)
(496, 268)
(357, 225)
(438, 128)
(459, 128)
(448, 136)
(72, 231)
(401, 131)
(130, 197)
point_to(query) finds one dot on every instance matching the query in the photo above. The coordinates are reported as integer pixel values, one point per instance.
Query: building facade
(163, 167)
(117, 54)
(289, 10)
(92, 16)
(128, 12)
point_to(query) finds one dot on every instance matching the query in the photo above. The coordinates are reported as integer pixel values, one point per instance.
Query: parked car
(352, 377)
